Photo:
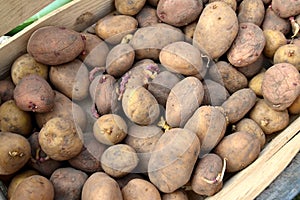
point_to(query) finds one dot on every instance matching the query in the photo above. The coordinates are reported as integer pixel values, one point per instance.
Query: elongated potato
(286, 8)
(251, 11)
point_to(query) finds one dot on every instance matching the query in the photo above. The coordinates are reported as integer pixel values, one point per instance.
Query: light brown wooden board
(14, 12)
(77, 15)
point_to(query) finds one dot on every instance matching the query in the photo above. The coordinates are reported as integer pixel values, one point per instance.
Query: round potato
(288, 53)
(147, 16)
(252, 11)
(189, 30)
(129, 7)
(274, 40)
(256, 82)
(179, 194)
(214, 93)
(286, 8)
(295, 107)
(231, 3)
(6, 90)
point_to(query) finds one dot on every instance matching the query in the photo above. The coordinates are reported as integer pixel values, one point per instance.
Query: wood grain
(14, 12)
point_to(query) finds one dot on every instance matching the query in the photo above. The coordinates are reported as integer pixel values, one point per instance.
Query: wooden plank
(77, 15)
(251, 181)
(14, 12)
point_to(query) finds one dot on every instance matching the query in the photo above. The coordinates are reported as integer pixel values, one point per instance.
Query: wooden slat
(77, 15)
(250, 182)
(14, 12)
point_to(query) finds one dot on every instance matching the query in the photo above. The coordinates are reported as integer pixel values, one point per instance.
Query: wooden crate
(78, 15)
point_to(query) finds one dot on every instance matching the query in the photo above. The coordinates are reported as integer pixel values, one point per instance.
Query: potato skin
(239, 149)
(214, 93)
(231, 3)
(286, 8)
(14, 151)
(6, 90)
(274, 40)
(295, 107)
(100, 186)
(129, 7)
(147, 16)
(251, 11)
(256, 82)
(45, 45)
(179, 194)
(288, 53)
(247, 46)
(254, 68)
(223, 18)
(274, 22)
(173, 158)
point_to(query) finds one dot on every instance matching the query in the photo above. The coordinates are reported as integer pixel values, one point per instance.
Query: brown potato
(221, 15)
(214, 93)
(71, 79)
(288, 53)
(122, 182)
(34, 187)
(252, 69)
(45, 45)
(173, 159)
(185, 97)
(239, 149)
(247, 46)
(189, 30)
(251, 11)
(183, 58)
(6, 90)
(119, 160)
(33, 93)
(256, 82)
(179, 13)
(147, 16)
(131, 7)
(239, 104)
(231, 3)
(14, 151)
(140, 189)
(210, 124)
(286, 8)
(295, 107)
(122, 25)
(281, 86)
(100, 186)
(206, 179)
(68, 183)
(179, 194)
(13, 119)
(61, 139)
(269, 120)
(25, 65)
(274, 40)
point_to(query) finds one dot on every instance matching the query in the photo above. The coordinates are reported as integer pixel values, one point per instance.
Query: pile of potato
(158, 100)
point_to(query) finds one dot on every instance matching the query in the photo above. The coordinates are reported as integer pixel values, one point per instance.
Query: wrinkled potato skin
(100, 186)
(281, 86)
(55, 52)
(147, 17)
(251, 11)
(34, 187)
(286, 8)
(238, 104)
(140, 189)
(179, 13)
(179, 194)
(269, 120)
(256, 82)
(129, 7)
(240, 149)
(247, 46)
(295, 107)
(274, 40)
(289, 53)
(231, 3)
(223, 18)
(274, 22)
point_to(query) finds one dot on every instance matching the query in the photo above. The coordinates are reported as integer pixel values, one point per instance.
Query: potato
(63, 107)
(71, 79)
(129, 7)
(288, 53)
(148, 41)
(34, 187)
(179, 13)
(274, 40)
(110, 129)
(25, 65)
(286, 8)
(140, 189)
(252, 69)
(95, 51)
(179, 194)
(269, 120)
(147, 16)
(122, 182)
(239, 149)
(13, 119)
(247, 46)
(143, 139)
(231, 3)
(256, 82)
(189, 30)
(223, 18)
(122, 25)
(207, 177)
(250, 126)
(251, 11)
(183, 58)
(68, 183)
(100, 186)
(33, 93)
(210, 124)
(274, 22)
(45, 45)
(214, 93)
(6, 90)
(160, 87)
(119, 60)
(239, 104)
(119, 160)
(88, 160)
(14, 151)
(173, 159)
(140, 106)
(233, 79)
(295, 107)
(61, 139)
(281, 86)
